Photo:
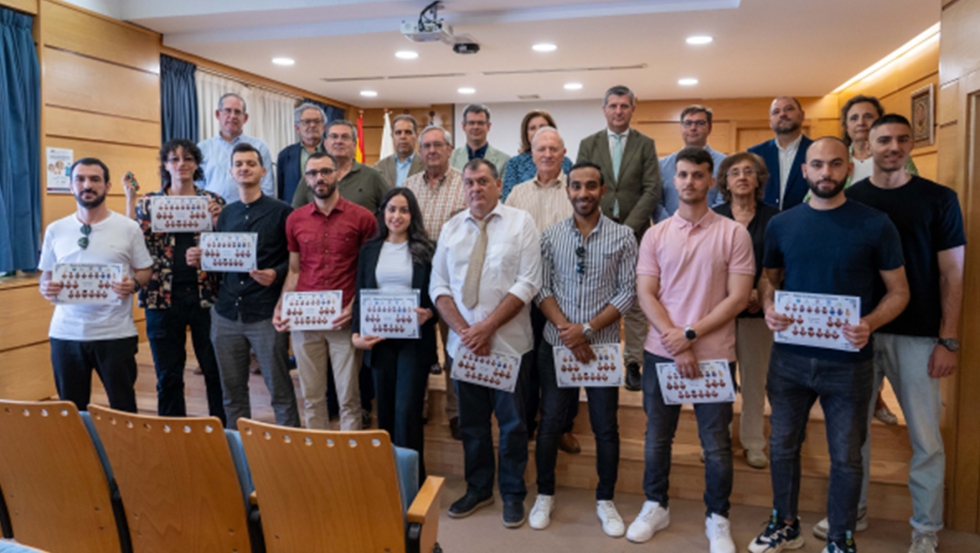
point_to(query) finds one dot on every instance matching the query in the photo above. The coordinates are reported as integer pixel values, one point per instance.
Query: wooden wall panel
(79, 32)
(26, 316)
(80, 125)
(26, 374)
(947, 102)
(961, 41)
(78, 82)
(928, 165)
(26, 6)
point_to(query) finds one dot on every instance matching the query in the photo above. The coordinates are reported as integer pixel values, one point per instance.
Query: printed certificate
(606, 370)
(312, 310)
(87, 283)
(179, 214)
(497, 370)
(389, 314)
(819, 319)
(714, 386)
(228, 252)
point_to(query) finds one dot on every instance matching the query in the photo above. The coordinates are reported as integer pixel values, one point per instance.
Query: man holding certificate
(838, 249)
(485, 272)
(582, 311)
(694, 276)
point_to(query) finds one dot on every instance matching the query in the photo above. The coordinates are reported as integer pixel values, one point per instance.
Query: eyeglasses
(735, 173)
(83, 241)
(341, 137)
(325, 172)
(431, 145)
(687, 123)
(310, 122)
(580, 266)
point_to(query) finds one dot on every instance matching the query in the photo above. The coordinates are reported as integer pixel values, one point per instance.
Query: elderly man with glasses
(311, 122)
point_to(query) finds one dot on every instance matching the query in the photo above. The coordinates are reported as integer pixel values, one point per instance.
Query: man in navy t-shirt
(919, 347)
(829, 246)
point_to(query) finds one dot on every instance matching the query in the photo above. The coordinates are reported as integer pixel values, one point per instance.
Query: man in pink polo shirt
(694, 276)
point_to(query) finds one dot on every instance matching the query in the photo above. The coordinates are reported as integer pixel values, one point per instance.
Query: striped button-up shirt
(607, 277)
(440, 200)
(547, 203)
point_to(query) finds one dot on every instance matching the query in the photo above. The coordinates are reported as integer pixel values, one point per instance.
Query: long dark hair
(419, 244)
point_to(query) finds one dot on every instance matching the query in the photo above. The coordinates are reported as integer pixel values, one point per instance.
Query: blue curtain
(20, 144)
(333, 112)
(178, 99)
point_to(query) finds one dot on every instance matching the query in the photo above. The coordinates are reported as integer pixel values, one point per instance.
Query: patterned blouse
(156, 294)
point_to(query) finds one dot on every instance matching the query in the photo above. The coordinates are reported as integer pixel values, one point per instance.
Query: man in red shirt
(324, 239)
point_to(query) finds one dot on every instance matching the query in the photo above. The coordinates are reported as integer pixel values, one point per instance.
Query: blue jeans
(844, 389)
(476, 405)
(714, 420)
(555, 403)
(166, 330)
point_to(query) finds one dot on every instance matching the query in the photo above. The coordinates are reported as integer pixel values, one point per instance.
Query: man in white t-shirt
(99, 336)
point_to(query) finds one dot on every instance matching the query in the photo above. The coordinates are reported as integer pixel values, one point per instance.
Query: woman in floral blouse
(178, 295)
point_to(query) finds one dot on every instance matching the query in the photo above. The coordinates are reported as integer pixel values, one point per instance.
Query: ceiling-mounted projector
(429, 28)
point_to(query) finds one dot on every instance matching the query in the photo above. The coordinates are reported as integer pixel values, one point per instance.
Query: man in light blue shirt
(403, 163)
(695, 128)
(216, 150)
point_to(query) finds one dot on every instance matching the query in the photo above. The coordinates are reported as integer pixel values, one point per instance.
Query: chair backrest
(324, 491)
(177, 480)
(55, 487)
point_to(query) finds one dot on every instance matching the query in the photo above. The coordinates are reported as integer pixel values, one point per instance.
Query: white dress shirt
(512, 266)
(217, 166)
(787, 156)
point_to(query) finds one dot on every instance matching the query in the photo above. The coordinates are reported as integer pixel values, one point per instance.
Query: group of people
(520, 256)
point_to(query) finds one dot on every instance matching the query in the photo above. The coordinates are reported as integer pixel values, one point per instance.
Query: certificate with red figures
(87, 283)
(819, 319)
(497, 370)
(714, 386)
(312, 310)
(228, 252)
(389, 314)
(606, 370)
(179, 214)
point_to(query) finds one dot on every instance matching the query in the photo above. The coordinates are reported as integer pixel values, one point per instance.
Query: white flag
(387, 146)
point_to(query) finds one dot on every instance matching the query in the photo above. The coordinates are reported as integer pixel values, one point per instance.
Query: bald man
(785, 154)
(829, 245)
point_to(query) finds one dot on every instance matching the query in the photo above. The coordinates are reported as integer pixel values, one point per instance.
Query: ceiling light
(687, 82)
(700, 39)
(369, 93)
(406, 54)
(544, 47)
(573, 86)
(466, 90)
(284, 61)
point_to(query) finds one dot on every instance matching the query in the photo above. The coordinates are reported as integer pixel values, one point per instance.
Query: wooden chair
(339, 492)
(56, 488)
(178, 482)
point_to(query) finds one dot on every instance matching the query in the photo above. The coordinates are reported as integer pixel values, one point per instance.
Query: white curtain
(210, 88)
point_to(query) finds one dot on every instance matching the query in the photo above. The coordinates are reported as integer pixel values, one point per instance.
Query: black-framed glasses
(83, 241)
(324, 172)
(580, 266)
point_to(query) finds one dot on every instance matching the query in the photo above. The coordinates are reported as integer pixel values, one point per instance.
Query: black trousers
(400, 394)
(532, 403)
(113, 360)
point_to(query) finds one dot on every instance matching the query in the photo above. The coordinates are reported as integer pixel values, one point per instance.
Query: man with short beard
(99, 336)
(405, 162)
(325, 238)
(829, 245)
(785, 154)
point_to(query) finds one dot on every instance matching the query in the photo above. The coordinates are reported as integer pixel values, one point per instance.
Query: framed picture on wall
(922, 116)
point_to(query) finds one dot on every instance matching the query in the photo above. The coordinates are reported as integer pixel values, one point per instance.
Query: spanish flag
(359, 153)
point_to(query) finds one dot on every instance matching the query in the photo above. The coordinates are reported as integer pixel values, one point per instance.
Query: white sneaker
(612, 523)
(541, 512)
(651, 519)
(821, 528)
(719, 532)
(924, 542)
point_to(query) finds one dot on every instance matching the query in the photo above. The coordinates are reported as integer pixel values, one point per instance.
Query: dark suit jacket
(381, 356)
(389, 170)
(796, 187)
(639, 185)
(288, 173)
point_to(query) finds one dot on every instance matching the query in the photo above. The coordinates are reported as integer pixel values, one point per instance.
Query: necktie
(617, 159)
(471, 286)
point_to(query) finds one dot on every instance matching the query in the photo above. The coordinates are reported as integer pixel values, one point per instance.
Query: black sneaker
(777, 536)
(454, 429)
(468, 504)
(633, 381)
(514, 516)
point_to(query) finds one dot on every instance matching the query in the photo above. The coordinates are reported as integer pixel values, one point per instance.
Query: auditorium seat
(57, 489)
(344, 492)
(184, 482)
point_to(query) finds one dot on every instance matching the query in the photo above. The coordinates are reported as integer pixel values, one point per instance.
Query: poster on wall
(59, 162)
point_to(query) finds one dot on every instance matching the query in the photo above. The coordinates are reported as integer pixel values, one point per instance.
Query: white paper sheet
(714, 386)
(228, 252)
(389, 314)
(606, 370)
(820, 319)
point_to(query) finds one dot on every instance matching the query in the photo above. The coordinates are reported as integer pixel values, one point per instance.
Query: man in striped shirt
(588, 282)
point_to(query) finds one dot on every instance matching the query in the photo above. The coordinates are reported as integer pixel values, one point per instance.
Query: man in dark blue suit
(311, 122)
(785, 154)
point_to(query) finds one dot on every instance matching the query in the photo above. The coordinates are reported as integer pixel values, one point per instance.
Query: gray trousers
(232, 341)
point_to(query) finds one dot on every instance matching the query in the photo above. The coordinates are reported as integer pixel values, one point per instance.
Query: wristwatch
(690, 334)
(587, 331)
(952, 344)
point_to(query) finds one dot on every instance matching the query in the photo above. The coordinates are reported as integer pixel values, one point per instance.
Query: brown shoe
(454, 428)
(569, 443)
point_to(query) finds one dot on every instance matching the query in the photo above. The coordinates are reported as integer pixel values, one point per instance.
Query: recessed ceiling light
(406, 54)
(573, 86)
(700, 39)
(466, 90)
(687, 82)
(284, 61)
(369, 93)
(544, 47)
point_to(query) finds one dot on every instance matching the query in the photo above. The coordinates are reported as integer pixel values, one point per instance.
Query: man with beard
(325, 238)
(405, 162)
(784, 154)
(581, 311)
(100, 336)
(829, 245)
(242, 315)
